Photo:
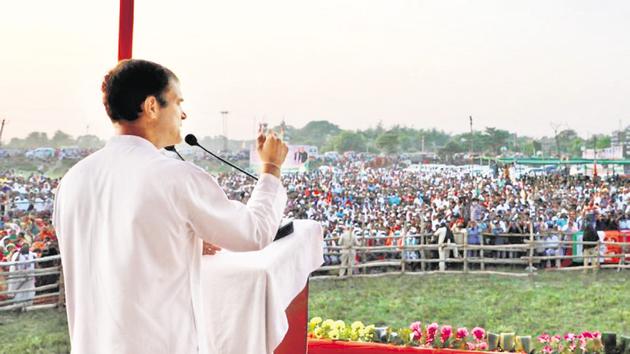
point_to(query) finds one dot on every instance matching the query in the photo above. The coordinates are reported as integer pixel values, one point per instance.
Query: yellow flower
(357, 325)
(318, 333)
(315, 321)
(333, 334)
(368, 333)
(328, 323)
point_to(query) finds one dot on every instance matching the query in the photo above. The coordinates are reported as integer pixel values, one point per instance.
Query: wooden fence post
(531, 247)
(561, 249)
(481, 255)
(423, 254)
(466, 252)
(402, 251)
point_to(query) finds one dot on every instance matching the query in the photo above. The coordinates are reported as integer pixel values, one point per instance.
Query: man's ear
(150, 106)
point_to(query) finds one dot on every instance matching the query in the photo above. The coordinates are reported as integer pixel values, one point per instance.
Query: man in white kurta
(131, 223)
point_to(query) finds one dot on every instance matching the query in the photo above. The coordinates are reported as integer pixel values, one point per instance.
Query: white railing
(41, 299)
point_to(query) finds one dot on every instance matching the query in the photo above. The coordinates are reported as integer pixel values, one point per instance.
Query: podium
(295, 340)
(257, 291)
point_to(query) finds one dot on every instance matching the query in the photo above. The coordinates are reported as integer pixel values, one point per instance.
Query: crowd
(379, 205)
(358, 205)
(26, 232)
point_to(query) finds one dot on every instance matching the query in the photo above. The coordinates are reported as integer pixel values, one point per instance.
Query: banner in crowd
(297, 158)
(604, 250)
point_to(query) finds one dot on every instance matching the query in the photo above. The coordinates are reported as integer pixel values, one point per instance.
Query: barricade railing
(387, 255)
(16, 282)
(419, 254)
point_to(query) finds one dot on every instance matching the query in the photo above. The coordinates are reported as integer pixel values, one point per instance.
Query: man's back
(129, 282)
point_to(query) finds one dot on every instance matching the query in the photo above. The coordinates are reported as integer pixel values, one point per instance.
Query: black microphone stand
(172, 149)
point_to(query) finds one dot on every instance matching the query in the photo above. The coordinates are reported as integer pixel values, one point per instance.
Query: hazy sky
(515, 65)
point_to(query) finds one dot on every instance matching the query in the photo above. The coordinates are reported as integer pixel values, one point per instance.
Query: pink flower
(446, 331)
(482, 346)
(597, 334)
(544, 338)
(569, 337)
(470, 346)
(462, 333)
(416, 326)
(478, 333)
(547, 349)
(431, 330)
(587, 334)
(416, 329)
(556, 339)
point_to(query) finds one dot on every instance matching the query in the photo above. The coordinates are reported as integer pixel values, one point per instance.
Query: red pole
(125, 30)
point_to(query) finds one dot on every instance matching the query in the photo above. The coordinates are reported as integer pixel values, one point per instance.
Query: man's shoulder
(84, 164)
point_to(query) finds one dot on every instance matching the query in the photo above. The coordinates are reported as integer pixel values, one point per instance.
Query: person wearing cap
(348, 242)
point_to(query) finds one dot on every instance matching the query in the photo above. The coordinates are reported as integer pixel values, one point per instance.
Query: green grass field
(555, 302)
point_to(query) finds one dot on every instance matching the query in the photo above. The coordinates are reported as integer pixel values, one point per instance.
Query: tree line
(397, 139)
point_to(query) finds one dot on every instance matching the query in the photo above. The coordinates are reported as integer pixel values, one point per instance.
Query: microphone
(192, 141)
(171, 148)
(284, 230)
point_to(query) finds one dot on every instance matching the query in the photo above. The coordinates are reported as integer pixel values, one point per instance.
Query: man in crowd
(446, 244)
(348, 242)
(590, 249)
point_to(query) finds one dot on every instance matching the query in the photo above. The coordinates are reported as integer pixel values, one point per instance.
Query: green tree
(32, 140)
(479, 141)
(388, 142)
(447, 151)
(89, 142)
(433, 138)
(496, 138)
(347, 141)
(317, 133)
(569, 143)
(60, 139)
(537, 145)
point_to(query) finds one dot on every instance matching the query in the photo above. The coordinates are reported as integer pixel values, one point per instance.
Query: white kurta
(130, 222)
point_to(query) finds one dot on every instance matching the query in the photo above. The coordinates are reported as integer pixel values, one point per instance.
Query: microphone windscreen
(191, 140)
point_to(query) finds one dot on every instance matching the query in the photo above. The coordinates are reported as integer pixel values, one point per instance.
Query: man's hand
(272, 152)
(210, 249)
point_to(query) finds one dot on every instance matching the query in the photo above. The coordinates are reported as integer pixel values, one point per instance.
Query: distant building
(614, 152)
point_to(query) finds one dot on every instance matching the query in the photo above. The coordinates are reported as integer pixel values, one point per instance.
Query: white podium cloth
(245, 294)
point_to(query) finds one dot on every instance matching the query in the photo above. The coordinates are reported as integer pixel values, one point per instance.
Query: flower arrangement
(338, 330)
(477, 339)
(570, 343)
(434, 336)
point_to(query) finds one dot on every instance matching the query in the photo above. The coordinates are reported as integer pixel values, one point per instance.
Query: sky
(517, 65)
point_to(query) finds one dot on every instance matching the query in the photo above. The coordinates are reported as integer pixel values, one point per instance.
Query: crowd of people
(26, 232)
(358, 205)
(378, 205)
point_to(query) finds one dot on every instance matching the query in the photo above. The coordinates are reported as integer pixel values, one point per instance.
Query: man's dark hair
(127, 85)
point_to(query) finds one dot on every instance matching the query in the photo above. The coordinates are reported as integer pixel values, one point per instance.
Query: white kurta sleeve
(231, 224)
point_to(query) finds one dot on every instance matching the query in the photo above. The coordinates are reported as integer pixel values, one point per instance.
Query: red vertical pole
(125, 30)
